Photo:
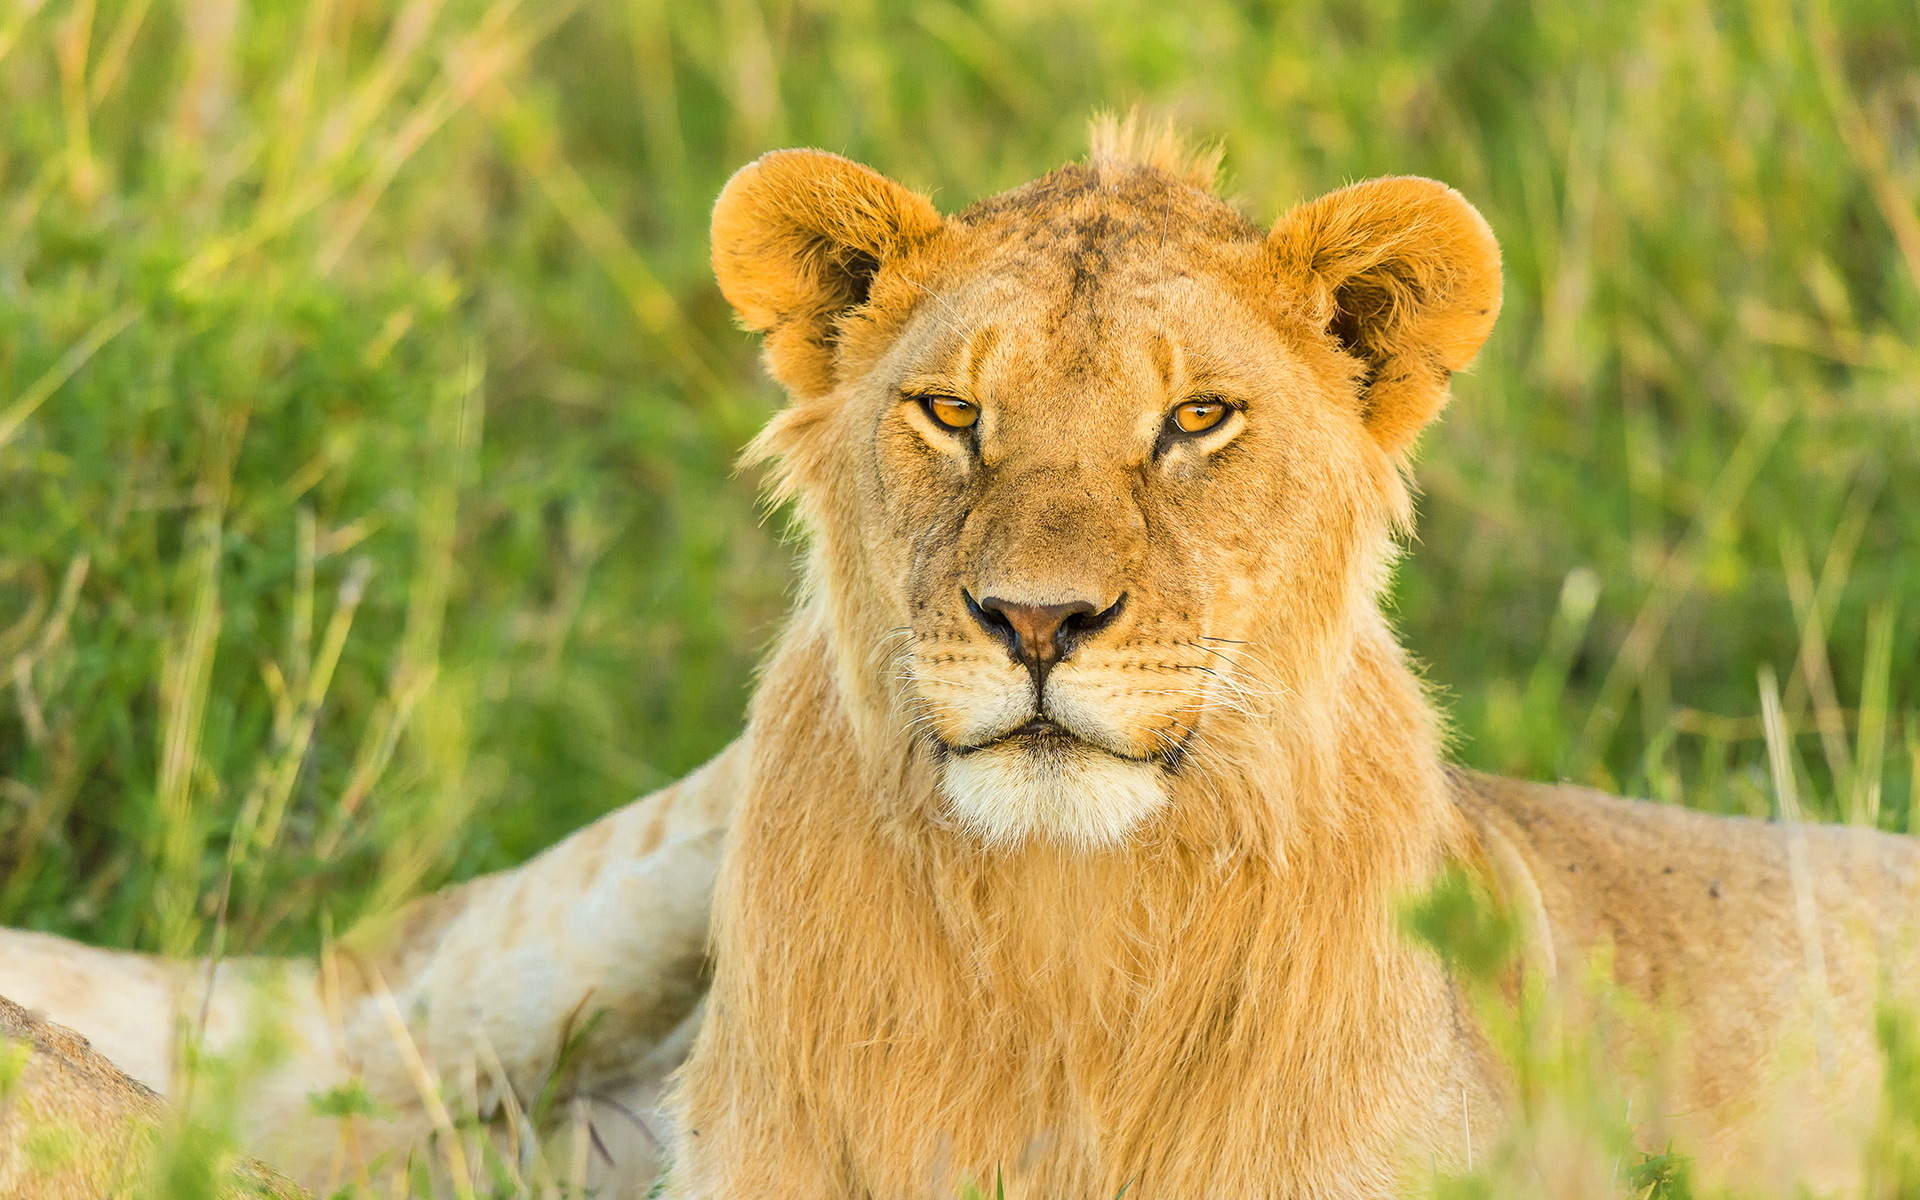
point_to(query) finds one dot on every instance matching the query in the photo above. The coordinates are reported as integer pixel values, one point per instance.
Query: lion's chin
(1061, 789)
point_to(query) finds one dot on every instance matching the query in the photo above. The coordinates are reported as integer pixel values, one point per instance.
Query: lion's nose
(1040, 635)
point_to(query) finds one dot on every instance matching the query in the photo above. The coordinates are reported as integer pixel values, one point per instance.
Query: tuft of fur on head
(1130, 141)
(1076, 795)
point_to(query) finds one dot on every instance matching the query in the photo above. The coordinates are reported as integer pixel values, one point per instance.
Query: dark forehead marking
(1135, 199)
(1091, 251)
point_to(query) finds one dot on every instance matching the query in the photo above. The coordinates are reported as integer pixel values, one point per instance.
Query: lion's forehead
(1094, 265)
(1109, 203)
(1093, 241)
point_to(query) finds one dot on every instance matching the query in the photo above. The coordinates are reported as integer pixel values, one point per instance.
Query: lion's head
(1099, 472)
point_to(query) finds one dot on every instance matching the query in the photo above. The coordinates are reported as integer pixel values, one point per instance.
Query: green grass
(367, 412)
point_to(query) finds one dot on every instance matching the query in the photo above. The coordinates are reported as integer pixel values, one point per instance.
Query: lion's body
(1717, 938)
(1123, 911)
(1754, 954)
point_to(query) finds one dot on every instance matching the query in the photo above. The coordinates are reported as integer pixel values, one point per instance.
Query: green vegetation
(367, 411)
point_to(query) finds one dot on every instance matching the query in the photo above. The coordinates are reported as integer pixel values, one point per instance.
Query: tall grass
(367, 411)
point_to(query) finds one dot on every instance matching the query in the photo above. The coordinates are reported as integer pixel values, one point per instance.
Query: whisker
(1226, 655)
(1207, 701)
(940, 300)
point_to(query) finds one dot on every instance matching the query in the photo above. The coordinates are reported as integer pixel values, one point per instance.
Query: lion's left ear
(798, 236)
(1405, 275)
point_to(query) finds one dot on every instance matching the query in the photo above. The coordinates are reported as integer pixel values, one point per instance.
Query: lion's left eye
(951, 412)
(1198, 416)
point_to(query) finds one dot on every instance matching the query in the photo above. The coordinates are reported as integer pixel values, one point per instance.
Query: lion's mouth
(1039, 727)
(1044, 735)
(1038, 731)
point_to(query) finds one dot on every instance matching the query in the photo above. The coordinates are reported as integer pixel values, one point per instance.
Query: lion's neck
(1244, 945)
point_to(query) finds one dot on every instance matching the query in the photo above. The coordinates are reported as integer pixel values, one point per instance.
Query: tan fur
(928, 973)
(74, 1127)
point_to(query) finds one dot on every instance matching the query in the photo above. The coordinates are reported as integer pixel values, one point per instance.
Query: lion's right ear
(798, 236)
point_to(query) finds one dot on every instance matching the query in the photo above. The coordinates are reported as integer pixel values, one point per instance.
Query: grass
(367, 411)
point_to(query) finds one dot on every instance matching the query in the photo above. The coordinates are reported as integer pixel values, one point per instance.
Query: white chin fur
(1064, 790)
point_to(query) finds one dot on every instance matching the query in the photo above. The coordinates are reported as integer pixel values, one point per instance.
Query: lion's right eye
(951, 412)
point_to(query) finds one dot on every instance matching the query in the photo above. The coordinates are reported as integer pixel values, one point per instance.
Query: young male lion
(1079, 803)
(1089, 782)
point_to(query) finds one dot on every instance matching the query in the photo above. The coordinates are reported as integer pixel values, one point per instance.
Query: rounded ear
(798, 236)
(1405, 275)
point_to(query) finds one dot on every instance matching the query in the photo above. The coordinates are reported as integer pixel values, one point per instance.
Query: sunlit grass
(367, 412)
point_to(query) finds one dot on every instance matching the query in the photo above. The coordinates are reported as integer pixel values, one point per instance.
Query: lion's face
(1105, 481)
(1086, 550)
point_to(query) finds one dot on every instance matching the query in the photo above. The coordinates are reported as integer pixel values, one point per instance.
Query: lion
(1089, 783)
(1082, 799)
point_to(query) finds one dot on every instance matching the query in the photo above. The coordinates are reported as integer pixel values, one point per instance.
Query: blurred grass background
(367, 411)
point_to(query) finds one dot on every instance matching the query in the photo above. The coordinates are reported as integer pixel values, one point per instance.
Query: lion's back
(1769, 947)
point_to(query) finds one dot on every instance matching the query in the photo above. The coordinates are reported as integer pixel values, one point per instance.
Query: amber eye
(950, 412)
(1198, 416)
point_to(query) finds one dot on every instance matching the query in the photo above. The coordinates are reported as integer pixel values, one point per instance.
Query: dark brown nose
(1040, 635)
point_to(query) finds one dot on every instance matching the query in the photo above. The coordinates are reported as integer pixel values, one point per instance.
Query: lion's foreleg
(574, 969)
(564, 978)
